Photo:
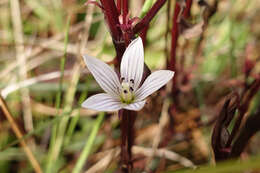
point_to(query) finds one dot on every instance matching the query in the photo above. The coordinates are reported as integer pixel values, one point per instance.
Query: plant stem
(118, 5)
(125, 10)
(90, 141)
(174, 42)
(51, 158)
(111, 16)
(127, 139)
(149, 16)
(186, 12)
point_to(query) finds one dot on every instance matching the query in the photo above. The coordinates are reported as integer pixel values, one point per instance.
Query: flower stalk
(125, 95)
(180, 10)
(174, 42)
(127, 139)
(149, 16)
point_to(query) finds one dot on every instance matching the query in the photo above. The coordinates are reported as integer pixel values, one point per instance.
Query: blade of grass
(75, 119)
(67, 110)
(21, 59)
(226, 167)
(147, 5)
(35, 131)
(51, 159)
(87, 148)
(82, 46)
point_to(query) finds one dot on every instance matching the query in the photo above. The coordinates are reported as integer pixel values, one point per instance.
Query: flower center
(126, 94)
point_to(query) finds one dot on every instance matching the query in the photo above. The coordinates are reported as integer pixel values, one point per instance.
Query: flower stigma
(126, 94)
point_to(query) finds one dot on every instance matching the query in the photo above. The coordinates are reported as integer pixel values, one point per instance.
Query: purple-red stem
(128, 34)
(171, 64)
(118, 5)
(175, 34)
(127, 139)
(112, 17)
(143, 35)
(125, 10)
(186, 12)
(149, 16)
(174, 41)
(166, 33)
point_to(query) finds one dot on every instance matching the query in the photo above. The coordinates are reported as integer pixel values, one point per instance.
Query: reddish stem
(111, 15)
(127, 139)
(143, 35)
(149, 16)
(186, 12)
(175, 34)
(125, 10)
(112, 18)
(166, 34)
(118, 5)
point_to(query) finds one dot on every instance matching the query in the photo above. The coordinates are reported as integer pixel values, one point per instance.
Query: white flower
(126, 92)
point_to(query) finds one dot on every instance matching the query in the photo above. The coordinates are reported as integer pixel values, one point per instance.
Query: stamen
(125, 91)
(132, 81)
(131, 89)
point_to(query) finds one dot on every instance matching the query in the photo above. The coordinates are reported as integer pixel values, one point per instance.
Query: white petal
(153, 82)
(132, 63)
(104, 75)
(135, 106)
(102, 102)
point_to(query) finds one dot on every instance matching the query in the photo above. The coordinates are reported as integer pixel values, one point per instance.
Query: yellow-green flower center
(126, 94)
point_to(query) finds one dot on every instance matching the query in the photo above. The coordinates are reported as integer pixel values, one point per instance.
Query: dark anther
(131, 89)
(125, 91)
(132, 80)
(122, 78)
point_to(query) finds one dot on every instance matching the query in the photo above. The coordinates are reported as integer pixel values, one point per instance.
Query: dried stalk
(21, 59)
(19, 135)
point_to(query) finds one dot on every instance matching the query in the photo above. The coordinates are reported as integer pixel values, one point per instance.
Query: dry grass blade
(51, 111)
(19, 135)
(42, 44)
(164, 153)
(104, 162)
(106, 157)
(21, 59)
(11, 88)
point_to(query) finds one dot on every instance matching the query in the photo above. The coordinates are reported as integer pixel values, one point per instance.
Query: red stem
(175, 34)
(112, 18)
(149, 16)
(166, 33)
(118, 5)
(174, 42)
(125, 10)
(128, 34)
(111, 15)
(143, 35)
(186, 12)
(127, 139)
